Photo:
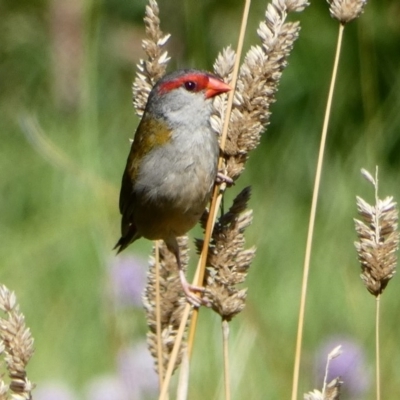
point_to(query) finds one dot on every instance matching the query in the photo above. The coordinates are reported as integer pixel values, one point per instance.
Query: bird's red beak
(216, 86)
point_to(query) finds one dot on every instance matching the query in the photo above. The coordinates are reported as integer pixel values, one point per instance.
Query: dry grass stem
(183, 384)
(172, 302)
(378, 240)
(16, 346)
(225, 341)
(175, 352)
(227, 64)
(151, 70)
(346, 10)
(336, 352)
(158, 313)
(377, 347)
(313, 212)
(331, 390)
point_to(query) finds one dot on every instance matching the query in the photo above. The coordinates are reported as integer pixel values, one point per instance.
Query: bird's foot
(221, 178)
(190, 293)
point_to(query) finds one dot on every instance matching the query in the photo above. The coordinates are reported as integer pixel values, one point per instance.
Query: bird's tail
(126, 240)
(121, 245)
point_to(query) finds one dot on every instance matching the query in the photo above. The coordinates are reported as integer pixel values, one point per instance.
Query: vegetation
(66, 116)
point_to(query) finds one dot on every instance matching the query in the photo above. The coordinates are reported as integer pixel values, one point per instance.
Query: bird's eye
(190, 86)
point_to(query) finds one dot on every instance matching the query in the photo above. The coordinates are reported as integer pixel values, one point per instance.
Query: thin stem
(377, 224)
(326, 377)
(306, 267)
(174, 353)
(218, 189)
(195, 314)
(378, 365)
(215, 201)
(235, 72)
(177, 344)
(377, 197)
(158, 316)
(225, 339)
(201, 266)
(378, 298)
(183, 383)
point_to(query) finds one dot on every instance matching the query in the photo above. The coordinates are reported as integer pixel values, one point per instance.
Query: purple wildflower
(136, 370)
(128, 278)
(54, 391)
(105, 388)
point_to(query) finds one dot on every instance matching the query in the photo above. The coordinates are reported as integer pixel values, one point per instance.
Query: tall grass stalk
(344, 11)
(218, 190)
(377, 313)
(377, 347)
(183, 384)
(174, 354)
(310, 235)
(225, 340)
(160, 364)
(215, 203)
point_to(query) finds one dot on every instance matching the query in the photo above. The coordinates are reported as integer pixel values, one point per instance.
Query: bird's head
(185, 96)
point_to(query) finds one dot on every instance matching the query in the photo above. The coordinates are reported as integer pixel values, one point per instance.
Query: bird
(172, 165)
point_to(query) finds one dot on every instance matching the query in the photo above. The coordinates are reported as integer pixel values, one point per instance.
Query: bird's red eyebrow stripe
(201, 80)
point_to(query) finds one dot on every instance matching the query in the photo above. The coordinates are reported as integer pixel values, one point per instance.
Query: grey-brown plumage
(172, 165)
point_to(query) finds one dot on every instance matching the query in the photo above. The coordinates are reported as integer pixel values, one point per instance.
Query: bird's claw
(191, 290)
(190, 293)
(222, 178)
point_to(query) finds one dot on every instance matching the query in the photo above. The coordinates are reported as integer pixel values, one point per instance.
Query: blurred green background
(66, 70)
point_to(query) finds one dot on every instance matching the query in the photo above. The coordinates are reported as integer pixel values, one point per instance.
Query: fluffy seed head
(346, 10)
(378, 239)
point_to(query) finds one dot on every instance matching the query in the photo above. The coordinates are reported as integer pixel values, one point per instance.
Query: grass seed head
(378, 240)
